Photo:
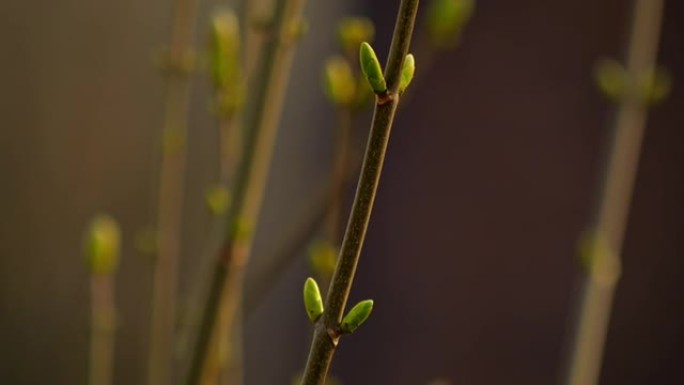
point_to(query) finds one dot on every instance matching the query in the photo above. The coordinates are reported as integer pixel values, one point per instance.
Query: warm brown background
(490, 178)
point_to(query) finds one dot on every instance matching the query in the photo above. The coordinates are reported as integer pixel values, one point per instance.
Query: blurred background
(491, 176)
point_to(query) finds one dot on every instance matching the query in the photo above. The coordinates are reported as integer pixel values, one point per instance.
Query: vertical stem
(223, 352)
(103, 329)
(261, 122)
(326, 334)
(613, 208)
(163, 316)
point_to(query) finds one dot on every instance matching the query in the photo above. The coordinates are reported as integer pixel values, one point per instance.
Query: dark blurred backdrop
(471, 255)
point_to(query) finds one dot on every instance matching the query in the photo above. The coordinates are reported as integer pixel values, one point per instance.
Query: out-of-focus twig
(603, 262)
(261, 121)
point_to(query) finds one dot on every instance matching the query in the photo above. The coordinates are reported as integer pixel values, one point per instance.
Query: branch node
(384, 98)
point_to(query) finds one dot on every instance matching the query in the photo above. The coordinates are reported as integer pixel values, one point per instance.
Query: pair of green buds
(613, 80)
(370, 66)
(313, 303)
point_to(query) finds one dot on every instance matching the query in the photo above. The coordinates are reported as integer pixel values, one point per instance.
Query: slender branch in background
(261, 121)
(327, 330)
(103, 330)
(102, 250)
(228, 81)
(611, 217)
(163, 318)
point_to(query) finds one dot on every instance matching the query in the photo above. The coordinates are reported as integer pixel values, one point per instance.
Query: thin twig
(103, 329)
(171, 193)
(261, 122)
(326, 335)
(613, 208)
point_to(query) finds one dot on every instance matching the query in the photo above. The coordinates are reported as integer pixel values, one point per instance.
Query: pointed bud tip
(407, 72)
(357, 316)
(103, 245)
(370, 66)
(313, 302)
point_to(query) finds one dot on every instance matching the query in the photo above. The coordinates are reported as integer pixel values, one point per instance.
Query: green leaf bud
(313, 302)
(356, 316)
(656, 86)
(598, 258)
(299, 29)
(323, 258)
(225, 49)
(241, 230)
(446, 19)
(339, 81)
(370, 66)
(611, 78)
(226, 72)
(218, 200)
(353, 31)
(407, 72)
(102, 246)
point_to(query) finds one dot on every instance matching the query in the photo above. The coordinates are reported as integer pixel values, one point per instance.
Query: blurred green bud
(598, 258)
(299, 29)
(586, 247)
(370, 66)
(656, 86)
(218, 200)
(230, 100)
(611, 78)
(357, 316)
(323, 258)
(353, 31)
(241, 230)
(407, 72)
(102, 245)
(313, 302)
(225, 49)
(226, 71)
(339, 81)
(446, 19)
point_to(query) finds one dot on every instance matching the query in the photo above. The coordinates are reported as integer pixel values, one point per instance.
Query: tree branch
(326, 335)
